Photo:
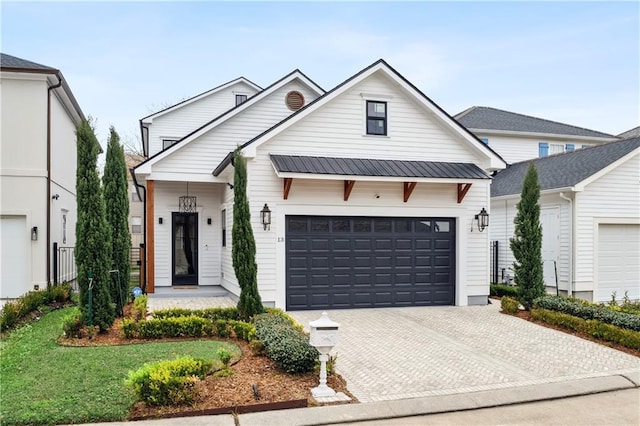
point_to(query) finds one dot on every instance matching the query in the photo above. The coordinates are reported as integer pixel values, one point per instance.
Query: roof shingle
(8, 61)
(562, 170)
(487, 118)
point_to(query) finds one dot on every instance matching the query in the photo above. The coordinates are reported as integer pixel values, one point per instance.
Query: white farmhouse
(373, 192)
(590, 216)
(518, 137)
(37, 173)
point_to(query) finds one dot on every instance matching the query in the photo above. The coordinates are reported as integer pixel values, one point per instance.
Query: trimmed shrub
(500, 290)
(129, 328)
(288, 347)
(209, 313)
(13, 311)
(510, 305)
(168, 382)
(9, 315)
(588, 311)
(174, 327)
(595, 328)
(72, 325)
(139, 308)
(279, 312)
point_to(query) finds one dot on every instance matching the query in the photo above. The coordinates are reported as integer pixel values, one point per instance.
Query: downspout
(571, 244)
(144, 225)
(55, 86)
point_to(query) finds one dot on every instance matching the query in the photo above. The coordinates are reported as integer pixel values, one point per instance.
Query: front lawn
(43, 383)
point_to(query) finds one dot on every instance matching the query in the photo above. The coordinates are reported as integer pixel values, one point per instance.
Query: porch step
(189, 292)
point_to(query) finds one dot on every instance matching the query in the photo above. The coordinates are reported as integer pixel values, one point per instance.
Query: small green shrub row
(17, 309)
(595, 328)
(168, 382)
(139, 307)
(589, 311)
(211, 314)
(509, 304)
(500, 290)
(285, 344)
(190, 326)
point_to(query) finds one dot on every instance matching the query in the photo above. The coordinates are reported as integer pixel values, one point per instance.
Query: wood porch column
(151, 275)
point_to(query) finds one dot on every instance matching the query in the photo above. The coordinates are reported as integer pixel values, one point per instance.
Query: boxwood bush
(595, 328)
(211, 314)
(285, 344)
(17, 309)
(186, 326)
(588, 311)
(168, 382)
(500, 290)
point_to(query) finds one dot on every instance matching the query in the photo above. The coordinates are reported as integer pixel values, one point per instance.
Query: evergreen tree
(93, 246)
(243, 243)
(114, 183)
(526, 244)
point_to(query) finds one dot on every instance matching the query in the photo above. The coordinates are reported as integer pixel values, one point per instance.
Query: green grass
(43, 383)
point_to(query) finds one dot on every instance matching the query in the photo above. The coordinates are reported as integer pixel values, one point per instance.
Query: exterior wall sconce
(55, 196)
(34, 233)
(160, 220)
(208, 221)
(265, 217)
(483, 219)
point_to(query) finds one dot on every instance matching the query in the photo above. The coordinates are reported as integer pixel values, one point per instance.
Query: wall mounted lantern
(265, 217)
(483, 219)
(208, 221)
(160, 220)
(34, 233)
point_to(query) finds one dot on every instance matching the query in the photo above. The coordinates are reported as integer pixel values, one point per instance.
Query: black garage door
(366, 262)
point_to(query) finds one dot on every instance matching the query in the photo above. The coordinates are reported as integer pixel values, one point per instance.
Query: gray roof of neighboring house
(632, 133)
(370, 167)
(13, 62)
(487, 118)
(562, 170)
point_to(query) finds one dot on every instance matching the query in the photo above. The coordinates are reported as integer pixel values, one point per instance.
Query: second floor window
(166, 143)
(376, 118)
(136, 224)
(240, 99)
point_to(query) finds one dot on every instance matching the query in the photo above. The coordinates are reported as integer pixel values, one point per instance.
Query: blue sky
(573, 62)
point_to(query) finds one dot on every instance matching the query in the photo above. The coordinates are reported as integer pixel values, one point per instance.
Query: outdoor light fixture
(483, 219)
(208, 221)
(187, 203)
(34, 233)
(265, 216)
(160, 220)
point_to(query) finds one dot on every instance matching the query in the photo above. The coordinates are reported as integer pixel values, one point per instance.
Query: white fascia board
(543, 192)
(318, 176)
(181, 177)
(581, 186)
(541, 136)
(149, 119)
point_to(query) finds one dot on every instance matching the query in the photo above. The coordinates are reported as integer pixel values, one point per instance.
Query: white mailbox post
(323, 335)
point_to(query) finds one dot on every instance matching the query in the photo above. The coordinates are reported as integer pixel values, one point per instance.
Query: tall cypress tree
(243, 244)
(526, 244)
(93, 246)
(114, 182)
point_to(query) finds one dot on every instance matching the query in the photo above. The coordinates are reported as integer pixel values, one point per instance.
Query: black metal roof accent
(374, 167)
(487, 118)
(562, 170)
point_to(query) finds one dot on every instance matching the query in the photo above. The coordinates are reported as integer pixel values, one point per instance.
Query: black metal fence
(494, 262)
(64, 265)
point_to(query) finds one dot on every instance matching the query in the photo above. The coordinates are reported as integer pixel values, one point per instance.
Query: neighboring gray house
(519, 137)
(632, 133)
(590, 215)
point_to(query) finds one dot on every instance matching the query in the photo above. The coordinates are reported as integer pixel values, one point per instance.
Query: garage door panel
(368, 262)
(618, 265)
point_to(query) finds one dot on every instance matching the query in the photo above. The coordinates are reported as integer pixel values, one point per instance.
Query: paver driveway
(399, 353)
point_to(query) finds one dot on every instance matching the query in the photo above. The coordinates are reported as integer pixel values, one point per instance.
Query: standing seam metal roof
(373, 167)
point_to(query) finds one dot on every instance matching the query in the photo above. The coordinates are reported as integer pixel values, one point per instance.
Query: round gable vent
(294, 100)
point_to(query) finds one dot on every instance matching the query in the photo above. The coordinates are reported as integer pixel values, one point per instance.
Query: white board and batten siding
(337, 129)
(209, 240)
(206, 152)
(613, 199)
(180, 122)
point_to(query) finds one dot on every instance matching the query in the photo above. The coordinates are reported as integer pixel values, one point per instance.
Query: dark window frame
(167, 143)
(241, 98)
(372, 117)
(223, 227)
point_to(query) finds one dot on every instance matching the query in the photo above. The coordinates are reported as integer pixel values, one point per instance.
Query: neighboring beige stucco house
(37, 172)
(373, 192)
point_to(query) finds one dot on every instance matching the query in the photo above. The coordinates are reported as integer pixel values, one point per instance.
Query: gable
(338, 127)
(204, 152)
(179, 122)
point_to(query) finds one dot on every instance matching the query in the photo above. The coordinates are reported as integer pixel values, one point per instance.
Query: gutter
(571, 243)
(144, 224)
(55, 86)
